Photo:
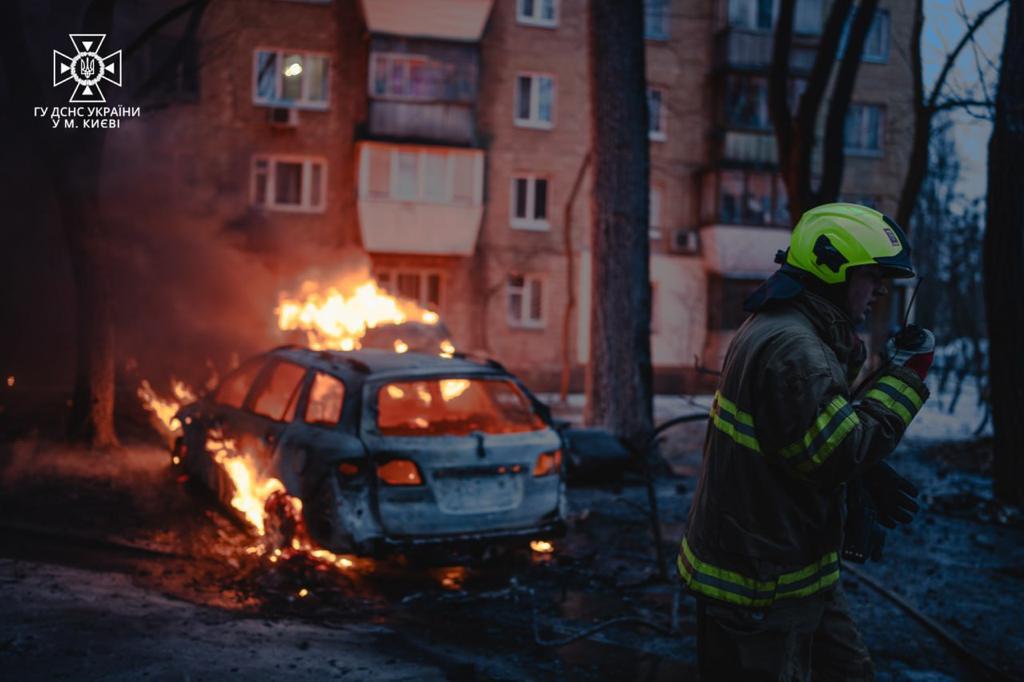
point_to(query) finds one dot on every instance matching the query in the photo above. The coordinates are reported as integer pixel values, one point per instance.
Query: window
(530, 203)
(432, 175)
(534, 105)
(749, 198)
(277, 392)
(290, 79)
(326, 396)
(537, 12)
(876, 43)
(656, 19)
(288, 184)
(760, 15)
(525, 301)
(454, 407)
(656, 113)
(422, 286)
(746, 102)
(864, 130)
(419, 77)
(654, 211)
(233, 389)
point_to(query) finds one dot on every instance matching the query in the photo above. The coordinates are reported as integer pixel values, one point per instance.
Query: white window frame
(530, 282)
(421, 197)
(661, 134)
(529, 223)
(390, 284)
(305, 205)
(303, 102)
(655, 209)
(534, 120)
(536, 19)
(866, 151)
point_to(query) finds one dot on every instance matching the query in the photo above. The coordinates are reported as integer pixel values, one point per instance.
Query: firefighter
(786, 436)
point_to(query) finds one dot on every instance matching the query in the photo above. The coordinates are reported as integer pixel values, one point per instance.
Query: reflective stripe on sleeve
(734, 422)
(832, 425)
(735, 588)
(896, 395)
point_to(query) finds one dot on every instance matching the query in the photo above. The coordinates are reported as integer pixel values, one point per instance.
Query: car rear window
(272, 400)
(455, 406)
(326, 396)
(233, 389)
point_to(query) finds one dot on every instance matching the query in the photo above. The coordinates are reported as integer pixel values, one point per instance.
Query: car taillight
(399, 472)
(348, 469)
(548, 463)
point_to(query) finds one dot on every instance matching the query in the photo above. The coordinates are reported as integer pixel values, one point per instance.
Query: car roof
(383, 363)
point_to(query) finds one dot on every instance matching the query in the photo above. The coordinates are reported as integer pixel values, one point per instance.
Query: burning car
(384, 450)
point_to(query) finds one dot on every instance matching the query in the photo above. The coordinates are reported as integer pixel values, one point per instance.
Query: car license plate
(478, 494)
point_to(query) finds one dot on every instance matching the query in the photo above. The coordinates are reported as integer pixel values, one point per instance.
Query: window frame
(263, 383)
(303, 102)
(530, 282)
(865, 56)
(305, 204)
(867, 152)
(537, 20)
(655, 198)
(530, 223)
(421, 153)
(661, 9)
(534, 121)
(307, 389)
(661, 134)
(387, 279)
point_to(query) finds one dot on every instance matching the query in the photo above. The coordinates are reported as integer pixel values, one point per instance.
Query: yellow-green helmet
(832, 238)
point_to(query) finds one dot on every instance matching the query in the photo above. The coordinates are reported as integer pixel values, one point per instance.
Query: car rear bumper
(547, 530)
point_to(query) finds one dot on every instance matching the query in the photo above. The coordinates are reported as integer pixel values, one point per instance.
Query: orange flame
(251, 490)
(164, 409)
(542, 546)
(336, 317)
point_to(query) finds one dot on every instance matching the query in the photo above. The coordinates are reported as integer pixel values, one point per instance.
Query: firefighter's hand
(914, 348)
(892, 494)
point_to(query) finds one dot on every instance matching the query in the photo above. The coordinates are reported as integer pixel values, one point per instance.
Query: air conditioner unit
(685, 241)
(283, 117)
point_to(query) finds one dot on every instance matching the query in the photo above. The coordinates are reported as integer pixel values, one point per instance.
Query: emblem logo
(87, 67)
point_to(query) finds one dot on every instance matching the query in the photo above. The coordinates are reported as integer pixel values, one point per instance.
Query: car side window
(277, 391)
(233, 389)
(326, 396)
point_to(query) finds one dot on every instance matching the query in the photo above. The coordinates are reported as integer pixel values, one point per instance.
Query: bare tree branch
(952, 56)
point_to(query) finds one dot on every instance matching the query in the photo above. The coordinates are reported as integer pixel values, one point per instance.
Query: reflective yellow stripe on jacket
(897, 396)
(734, 422)
(725, 585)
(833, 424)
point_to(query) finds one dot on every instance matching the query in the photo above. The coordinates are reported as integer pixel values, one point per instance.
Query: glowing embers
(337, 316)
(542, 546)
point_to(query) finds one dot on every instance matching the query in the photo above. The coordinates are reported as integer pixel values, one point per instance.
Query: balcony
(746, 147)
(462, 20)
(747, 50)
(742, 252)
(418, 199)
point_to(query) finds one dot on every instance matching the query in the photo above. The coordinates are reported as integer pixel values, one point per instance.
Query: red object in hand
(920, 363)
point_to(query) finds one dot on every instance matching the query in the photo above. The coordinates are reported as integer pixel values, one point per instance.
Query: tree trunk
(1003, 252)
(619, 373)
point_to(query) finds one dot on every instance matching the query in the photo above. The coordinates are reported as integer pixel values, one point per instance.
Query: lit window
(290, 79)
(537, 12)
(534, 103)
(656, 19)
(288, 184)
(656, 113)
(530, 203)
(864, 130)
(525, 301)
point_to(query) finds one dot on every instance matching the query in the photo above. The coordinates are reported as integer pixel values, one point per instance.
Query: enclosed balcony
(423, 90)
(419, 199)
(743, 50)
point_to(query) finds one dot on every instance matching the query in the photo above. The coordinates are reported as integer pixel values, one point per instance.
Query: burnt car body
(388, 450)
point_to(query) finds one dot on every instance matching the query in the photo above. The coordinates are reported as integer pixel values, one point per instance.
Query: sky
(942, 30)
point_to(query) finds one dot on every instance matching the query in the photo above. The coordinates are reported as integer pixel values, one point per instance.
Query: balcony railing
(750, 147)
(429, 121)
(745, 49)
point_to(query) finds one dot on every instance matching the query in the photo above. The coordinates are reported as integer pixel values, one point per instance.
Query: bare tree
(795, 133)
(619, 381)
(72, 163)
(1003, 248)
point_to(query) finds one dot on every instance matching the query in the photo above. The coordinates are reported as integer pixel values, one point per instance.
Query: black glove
(863, 539)
(893, 495)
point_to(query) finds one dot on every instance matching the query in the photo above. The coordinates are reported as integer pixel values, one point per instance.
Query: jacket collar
(835, 328)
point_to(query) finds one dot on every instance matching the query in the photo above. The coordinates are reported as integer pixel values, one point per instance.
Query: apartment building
(445, 139)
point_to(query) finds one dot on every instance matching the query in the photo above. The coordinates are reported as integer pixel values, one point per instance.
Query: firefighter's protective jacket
(784, 435)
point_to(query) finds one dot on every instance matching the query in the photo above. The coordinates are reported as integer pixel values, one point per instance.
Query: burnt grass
(481, 616)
